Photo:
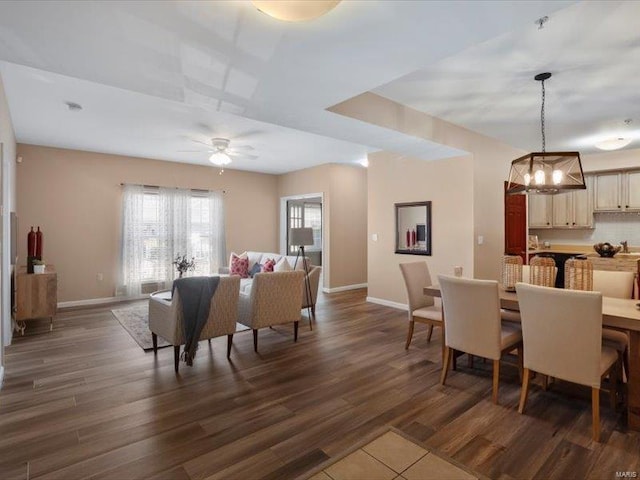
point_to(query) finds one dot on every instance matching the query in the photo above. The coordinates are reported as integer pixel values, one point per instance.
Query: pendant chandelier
(546, 172)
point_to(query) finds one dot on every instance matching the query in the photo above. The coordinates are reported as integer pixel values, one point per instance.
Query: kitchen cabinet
(617, 191)
(540, 211)
(564, 210)
(632, 184)
(574, 209)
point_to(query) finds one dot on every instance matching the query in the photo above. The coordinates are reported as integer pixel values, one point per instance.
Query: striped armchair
(275, 299)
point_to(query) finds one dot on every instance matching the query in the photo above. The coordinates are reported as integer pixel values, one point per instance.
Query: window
(161, 223)
(307, 215)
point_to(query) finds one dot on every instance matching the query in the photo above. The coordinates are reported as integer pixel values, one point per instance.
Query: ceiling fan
(221, 152)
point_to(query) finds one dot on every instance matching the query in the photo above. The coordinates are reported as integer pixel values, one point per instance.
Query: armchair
(165, 317)
(275, 299)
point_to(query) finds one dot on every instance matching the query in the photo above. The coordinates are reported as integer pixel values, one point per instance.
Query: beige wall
(611, 160)
(8, 200)
(490, 162)
(75, 197)
(344, 190)
(448, 184)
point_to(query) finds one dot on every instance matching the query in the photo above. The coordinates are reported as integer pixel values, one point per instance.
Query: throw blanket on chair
(195, 295)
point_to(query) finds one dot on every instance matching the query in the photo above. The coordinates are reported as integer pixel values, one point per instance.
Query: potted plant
(183, 265)
(38, 266)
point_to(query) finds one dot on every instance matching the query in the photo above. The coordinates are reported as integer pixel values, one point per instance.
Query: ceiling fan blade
(194, 151)
(242, 156)
(208, 144)
(241, 147)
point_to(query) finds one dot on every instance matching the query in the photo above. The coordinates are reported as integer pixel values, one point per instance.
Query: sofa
(262, 257)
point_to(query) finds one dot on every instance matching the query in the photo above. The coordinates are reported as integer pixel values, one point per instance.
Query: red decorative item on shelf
(413, 238)
(38, 253)
(408, 238)
(31, 243)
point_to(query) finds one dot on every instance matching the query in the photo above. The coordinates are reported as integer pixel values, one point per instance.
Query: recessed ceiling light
(73, 106)
(613, 143)
(295, 10)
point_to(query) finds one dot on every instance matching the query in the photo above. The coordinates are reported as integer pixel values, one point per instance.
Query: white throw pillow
(282, 265)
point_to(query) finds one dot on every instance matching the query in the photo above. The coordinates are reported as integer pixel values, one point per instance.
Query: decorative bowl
(606, 249)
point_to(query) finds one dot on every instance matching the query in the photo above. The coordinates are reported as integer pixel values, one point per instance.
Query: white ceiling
(591, 48)
(153, 75)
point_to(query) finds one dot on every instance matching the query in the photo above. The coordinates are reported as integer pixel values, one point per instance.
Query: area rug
(391, 454)
(135, 320)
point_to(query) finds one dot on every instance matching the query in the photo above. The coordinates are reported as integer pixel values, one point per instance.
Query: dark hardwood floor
(86, 402)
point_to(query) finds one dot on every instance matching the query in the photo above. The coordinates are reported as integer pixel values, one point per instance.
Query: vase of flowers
(183, 265)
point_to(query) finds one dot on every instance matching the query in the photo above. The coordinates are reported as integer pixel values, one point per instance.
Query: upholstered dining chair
(562, 334)
(275, 299)
(422, 308)
(472, 324)
(165, 316)
(617, 285)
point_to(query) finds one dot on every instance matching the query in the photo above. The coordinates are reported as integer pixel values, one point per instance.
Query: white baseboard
(388, 303)
(344, 288)
(99, 301)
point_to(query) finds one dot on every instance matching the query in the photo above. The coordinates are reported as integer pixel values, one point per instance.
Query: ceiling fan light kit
(545, 172)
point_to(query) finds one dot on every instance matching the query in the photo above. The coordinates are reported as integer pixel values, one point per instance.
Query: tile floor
(390, 457)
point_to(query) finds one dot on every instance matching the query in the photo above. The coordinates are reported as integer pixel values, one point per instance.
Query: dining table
(617, 313)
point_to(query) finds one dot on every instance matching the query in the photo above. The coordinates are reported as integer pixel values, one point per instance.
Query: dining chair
(472, 324)
(579, 275)
(541, 272)
(562, 331)
(422, 308)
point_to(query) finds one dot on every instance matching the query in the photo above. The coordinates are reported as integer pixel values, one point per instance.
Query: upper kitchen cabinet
(617, 191)
(583, 205)
(633, 190)
(540, 211)
(574, 209)
(564, 210)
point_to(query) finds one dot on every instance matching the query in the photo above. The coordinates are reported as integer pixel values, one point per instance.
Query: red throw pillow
(239, 266)
(268, 265)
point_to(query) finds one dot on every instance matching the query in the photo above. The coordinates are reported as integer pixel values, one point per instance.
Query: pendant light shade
(546, 172)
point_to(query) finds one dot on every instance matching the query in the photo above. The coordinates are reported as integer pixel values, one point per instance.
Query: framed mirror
(413, 228)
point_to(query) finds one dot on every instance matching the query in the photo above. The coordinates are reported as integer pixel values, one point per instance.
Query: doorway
(305, 210)
(515, 225)
(306, 213)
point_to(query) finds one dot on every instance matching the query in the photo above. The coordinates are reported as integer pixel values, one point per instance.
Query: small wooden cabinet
(36, 296)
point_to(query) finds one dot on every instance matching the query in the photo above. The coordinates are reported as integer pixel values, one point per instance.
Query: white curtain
(162, 223)
(132, 239)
